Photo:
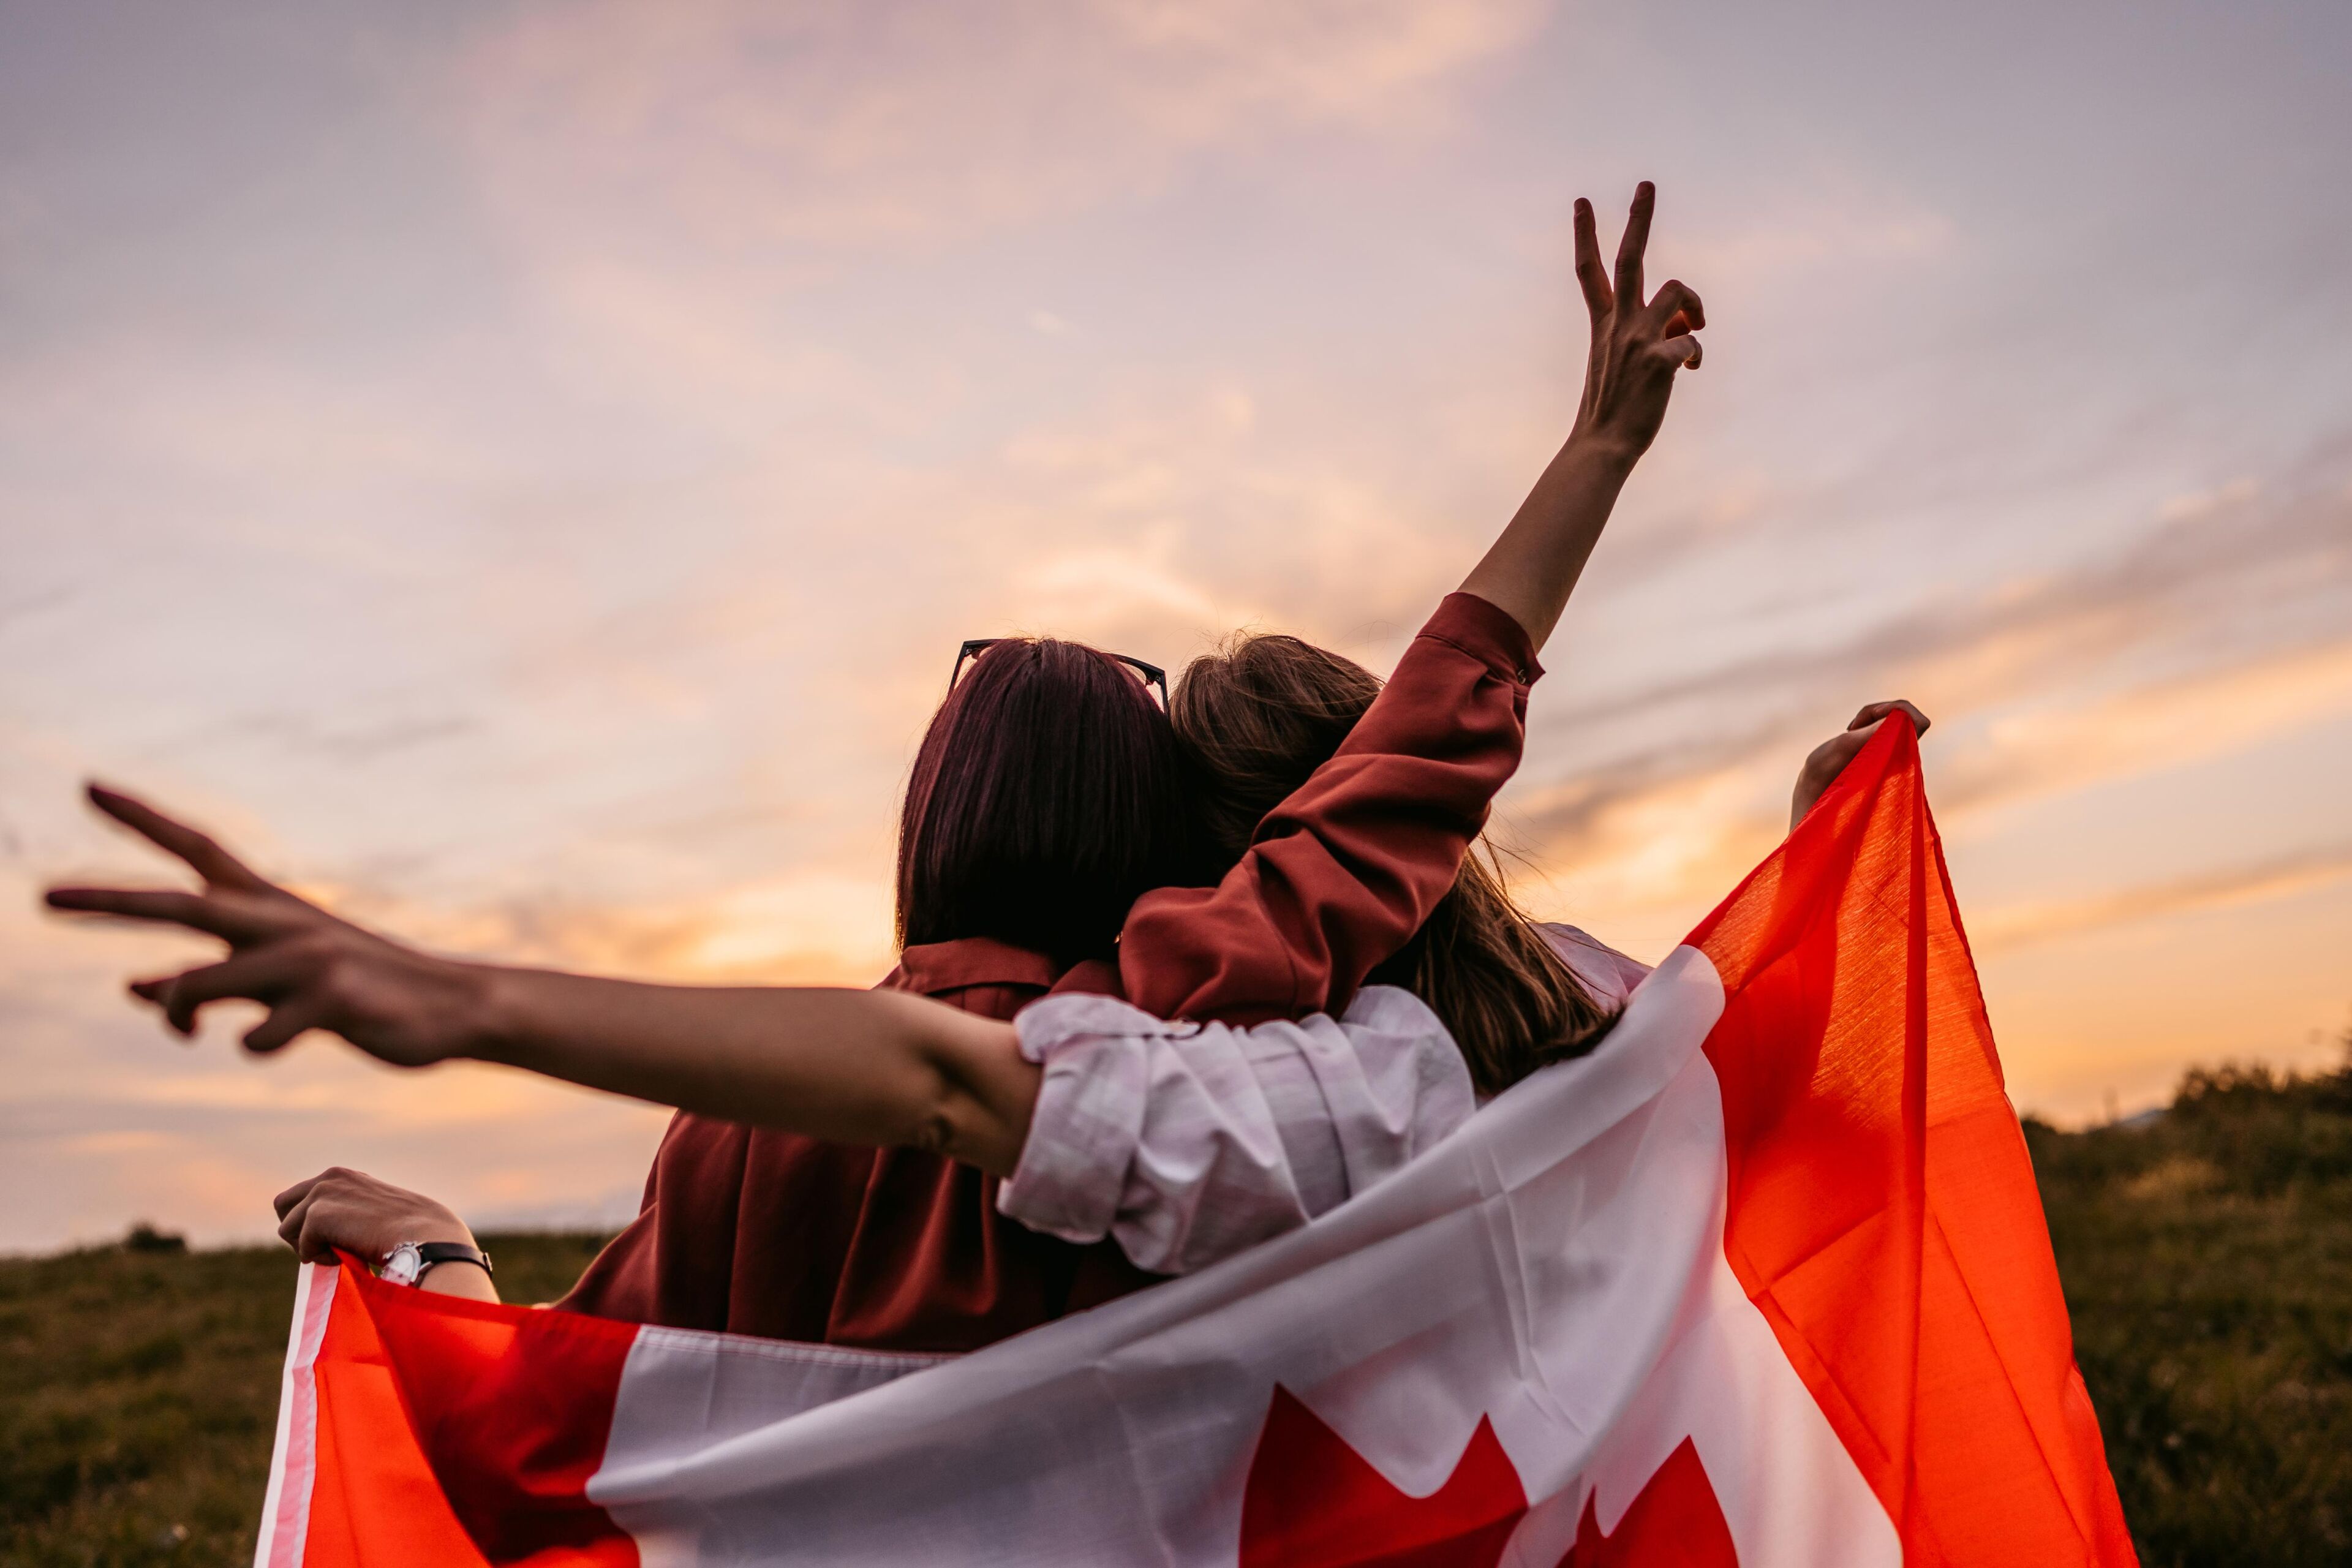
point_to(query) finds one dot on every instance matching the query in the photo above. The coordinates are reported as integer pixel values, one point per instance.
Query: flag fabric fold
(1763, 1279)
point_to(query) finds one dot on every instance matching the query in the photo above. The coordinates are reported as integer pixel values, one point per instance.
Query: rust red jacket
(772, 1234)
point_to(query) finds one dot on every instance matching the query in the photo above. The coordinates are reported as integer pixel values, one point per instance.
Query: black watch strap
(434, 1252)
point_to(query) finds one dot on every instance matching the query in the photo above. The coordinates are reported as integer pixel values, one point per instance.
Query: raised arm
(853, 1067)
(1636, 348)
(1343, 873)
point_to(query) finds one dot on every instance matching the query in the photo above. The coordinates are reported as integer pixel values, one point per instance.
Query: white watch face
(403, 1263)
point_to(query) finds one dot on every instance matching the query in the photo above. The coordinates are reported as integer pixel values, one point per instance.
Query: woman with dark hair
(1047, 797)
(1043, 819)
(1183, 1142)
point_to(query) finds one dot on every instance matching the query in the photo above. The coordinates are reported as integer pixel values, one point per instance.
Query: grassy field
(139, 1393)
(2207, 1262)
(2207, 1256)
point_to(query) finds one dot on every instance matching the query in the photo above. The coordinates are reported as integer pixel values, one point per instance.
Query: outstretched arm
(853, 1067)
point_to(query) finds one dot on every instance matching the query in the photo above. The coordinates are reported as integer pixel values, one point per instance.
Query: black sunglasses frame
(1153, 676)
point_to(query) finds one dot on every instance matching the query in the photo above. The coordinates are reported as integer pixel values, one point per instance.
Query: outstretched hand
(1637, 344)
(311, 970)
(1829, 759)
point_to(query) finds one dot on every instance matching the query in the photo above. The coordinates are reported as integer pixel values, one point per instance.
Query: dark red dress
(772, 1234)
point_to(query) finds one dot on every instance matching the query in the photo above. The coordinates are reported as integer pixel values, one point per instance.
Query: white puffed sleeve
(1608, 975)
(1191, 1142)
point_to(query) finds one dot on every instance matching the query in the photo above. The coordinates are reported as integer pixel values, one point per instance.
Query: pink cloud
(851, 122)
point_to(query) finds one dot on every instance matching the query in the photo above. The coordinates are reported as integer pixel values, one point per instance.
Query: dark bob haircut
(1047, 797)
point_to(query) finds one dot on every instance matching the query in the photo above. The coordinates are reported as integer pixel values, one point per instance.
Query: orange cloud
(2025, 925)
(810, 928)
(2221, 626)
(2062, 745)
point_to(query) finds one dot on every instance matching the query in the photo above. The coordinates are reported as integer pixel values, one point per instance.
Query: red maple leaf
(1312, 1501)
(1675, 1522)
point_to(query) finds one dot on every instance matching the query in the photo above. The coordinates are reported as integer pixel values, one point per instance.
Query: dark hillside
(2207, 1262)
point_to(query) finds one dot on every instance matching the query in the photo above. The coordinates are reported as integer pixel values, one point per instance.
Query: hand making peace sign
(1637, 346)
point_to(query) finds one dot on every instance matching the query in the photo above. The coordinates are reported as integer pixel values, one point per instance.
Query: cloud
(847, 121)
(2026, 925)
(1078, 586)
(2219, 623)
(1838, 222)
(344, 742)
(2047, 749)
(539, 504)
(806, 928)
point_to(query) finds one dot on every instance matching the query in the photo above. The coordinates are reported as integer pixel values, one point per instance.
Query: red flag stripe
(1882, 1211)
(450, 1432)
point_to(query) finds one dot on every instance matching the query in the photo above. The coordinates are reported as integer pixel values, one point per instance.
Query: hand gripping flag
(1763, 1280)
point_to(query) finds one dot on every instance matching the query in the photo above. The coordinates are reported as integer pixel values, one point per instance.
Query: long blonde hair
(1258, 716)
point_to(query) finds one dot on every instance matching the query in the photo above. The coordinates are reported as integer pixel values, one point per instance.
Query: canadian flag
(1762, 1280)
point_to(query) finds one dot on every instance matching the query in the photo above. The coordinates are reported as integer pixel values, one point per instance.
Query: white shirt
(1191, 1142)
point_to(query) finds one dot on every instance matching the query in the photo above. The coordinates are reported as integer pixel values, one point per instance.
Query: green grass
(2207, 1259)
(2208, 1263)
(139, 1395)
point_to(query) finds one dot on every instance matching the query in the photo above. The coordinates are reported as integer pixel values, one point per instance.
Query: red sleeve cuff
(1491, 636)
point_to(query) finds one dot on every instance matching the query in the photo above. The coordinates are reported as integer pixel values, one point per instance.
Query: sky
(521, 472)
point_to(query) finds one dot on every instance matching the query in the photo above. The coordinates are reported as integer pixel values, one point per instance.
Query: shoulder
(1607, 973)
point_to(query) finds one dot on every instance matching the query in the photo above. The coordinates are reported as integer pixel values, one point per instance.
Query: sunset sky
(522, 471)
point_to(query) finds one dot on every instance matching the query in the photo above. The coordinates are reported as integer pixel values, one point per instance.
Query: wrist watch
(407, 1263)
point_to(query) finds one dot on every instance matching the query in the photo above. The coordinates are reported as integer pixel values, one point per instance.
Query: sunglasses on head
(1152, 675)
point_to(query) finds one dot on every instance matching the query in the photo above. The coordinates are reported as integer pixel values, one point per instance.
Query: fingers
(1589, 274)
(288, 1022)
(1677, 314)
(262, 977)
(1636, 241)
(316, 1237)
(169, 905)
(1675, 297)
(215, 865)
(1683, 352)
(303, 1214)
(237, 916)
(296, 1192)
(309, 1226)
(290, 1219)
(1877, 711)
